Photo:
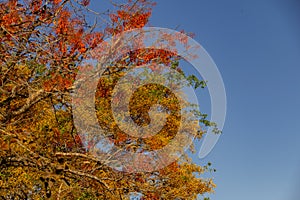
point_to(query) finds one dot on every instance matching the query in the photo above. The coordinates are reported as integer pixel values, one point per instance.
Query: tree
(44, 43)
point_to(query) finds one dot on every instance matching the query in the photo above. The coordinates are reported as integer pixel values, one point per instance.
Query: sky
(256, 46)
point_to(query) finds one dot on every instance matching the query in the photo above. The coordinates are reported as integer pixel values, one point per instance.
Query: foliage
(43, 43)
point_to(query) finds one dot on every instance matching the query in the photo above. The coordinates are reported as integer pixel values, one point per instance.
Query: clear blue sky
(256, 46)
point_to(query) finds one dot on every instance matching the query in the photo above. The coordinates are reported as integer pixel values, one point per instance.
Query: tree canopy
(43, 45)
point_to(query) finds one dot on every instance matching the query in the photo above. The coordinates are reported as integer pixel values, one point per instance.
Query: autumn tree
(44, 44)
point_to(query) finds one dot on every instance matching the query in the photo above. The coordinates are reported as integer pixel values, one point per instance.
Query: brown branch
(77, 155)
(33, 99)
(89, 176)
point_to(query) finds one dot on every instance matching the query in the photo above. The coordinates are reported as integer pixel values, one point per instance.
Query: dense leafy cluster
(43, 43)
